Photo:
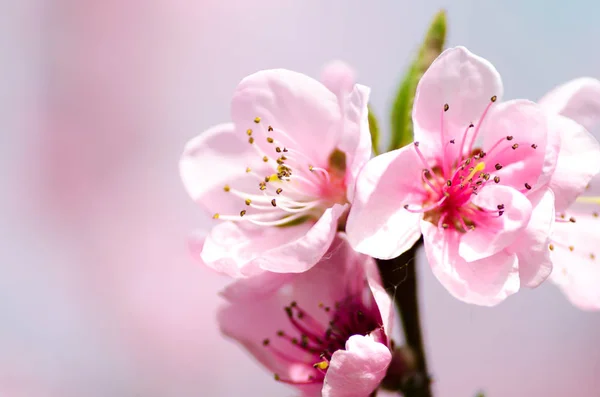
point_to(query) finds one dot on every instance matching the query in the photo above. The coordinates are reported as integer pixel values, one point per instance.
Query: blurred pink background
(98, 294)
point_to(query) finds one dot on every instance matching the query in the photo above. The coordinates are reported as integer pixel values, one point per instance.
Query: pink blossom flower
(485, 211)
(279, 179)
(575, 106)
(323, 331)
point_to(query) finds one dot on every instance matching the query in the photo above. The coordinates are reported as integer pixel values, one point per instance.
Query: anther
(527, 186)
(571, 248)
(592, 256)
(515, 146)
(509, 138)
(448, 182)
(226, 188)
(452, 141)
(257, 120)
(445, 225)
(249, 131)
(500, 213)
(270, 129)
(498, 166)
(310, 167)
(416, 144)
(446, 107)
(494, 98)
(595, 215)
(285, 150)
(279, 190)
(471, 125)
(269, 139)
(248, 169)
(280, 333)
(274, 203)
(278, 149)
(242, 212)
(251, 140)
(572, 220)
(497, 179)
(266, 342)
(500, 206)
(265, 159)
(216, 216)
(533, 145)
(248, 201)
(551, 246)
(405, 206)
(276, 377)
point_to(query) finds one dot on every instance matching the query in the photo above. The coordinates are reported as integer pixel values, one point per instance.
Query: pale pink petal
(339, 77)
(232, 249)
(381, 296)
(378, 224)
(358, 370)
(531, 247)
(577, 99)
(515, 136)
(221, 147)
(303, 113)
(485, 282)
(576, 258)
(463, 81)
(301, 254)
(355, 140)
(494, 233)
(578, 161)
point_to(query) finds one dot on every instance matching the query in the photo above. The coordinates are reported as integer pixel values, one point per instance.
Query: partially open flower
(474, 183)
(279, 178)
(575, 241)
(324, 331)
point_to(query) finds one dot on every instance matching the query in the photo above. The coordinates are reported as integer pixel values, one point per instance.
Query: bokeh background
(98, 294)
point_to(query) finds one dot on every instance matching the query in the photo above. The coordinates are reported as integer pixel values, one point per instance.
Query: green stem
(399, 275)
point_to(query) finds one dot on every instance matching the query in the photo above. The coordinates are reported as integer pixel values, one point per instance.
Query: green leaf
(401, 121)
(374, 128)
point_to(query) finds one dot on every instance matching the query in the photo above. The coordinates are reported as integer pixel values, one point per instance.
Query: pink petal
(485, 282)
(494, 233)
(301, 254)
(358, 370)
(577, 99)
(301, 111)
(355, 140)
(215, 158)
(531, 247)
(232, 249)
(578, 161)
(378, 225)
(527, 156)
(577, 271)
(338, 77)
(460, 79)
(381, 296)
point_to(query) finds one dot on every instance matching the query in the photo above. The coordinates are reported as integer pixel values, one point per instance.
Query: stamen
(479, 123)
(426, 209)
(257, 120)
(527, 186)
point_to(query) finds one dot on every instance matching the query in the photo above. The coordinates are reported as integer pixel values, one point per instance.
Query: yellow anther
(589, 200)
(265, 159)
(310, 167)
(249, 131)
(479, 167)
(551, 246)
(248, 201)
(226, 188)
(322, 365)
(248, 169)
(216, 216)
(273, 178)
(269, 139)
(257, 120)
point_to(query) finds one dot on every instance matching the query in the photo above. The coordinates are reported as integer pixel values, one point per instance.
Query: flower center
(453, 181)
(288, 186)
(314, 338)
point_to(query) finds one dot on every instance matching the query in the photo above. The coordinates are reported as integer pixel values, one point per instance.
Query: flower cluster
(498, 191)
